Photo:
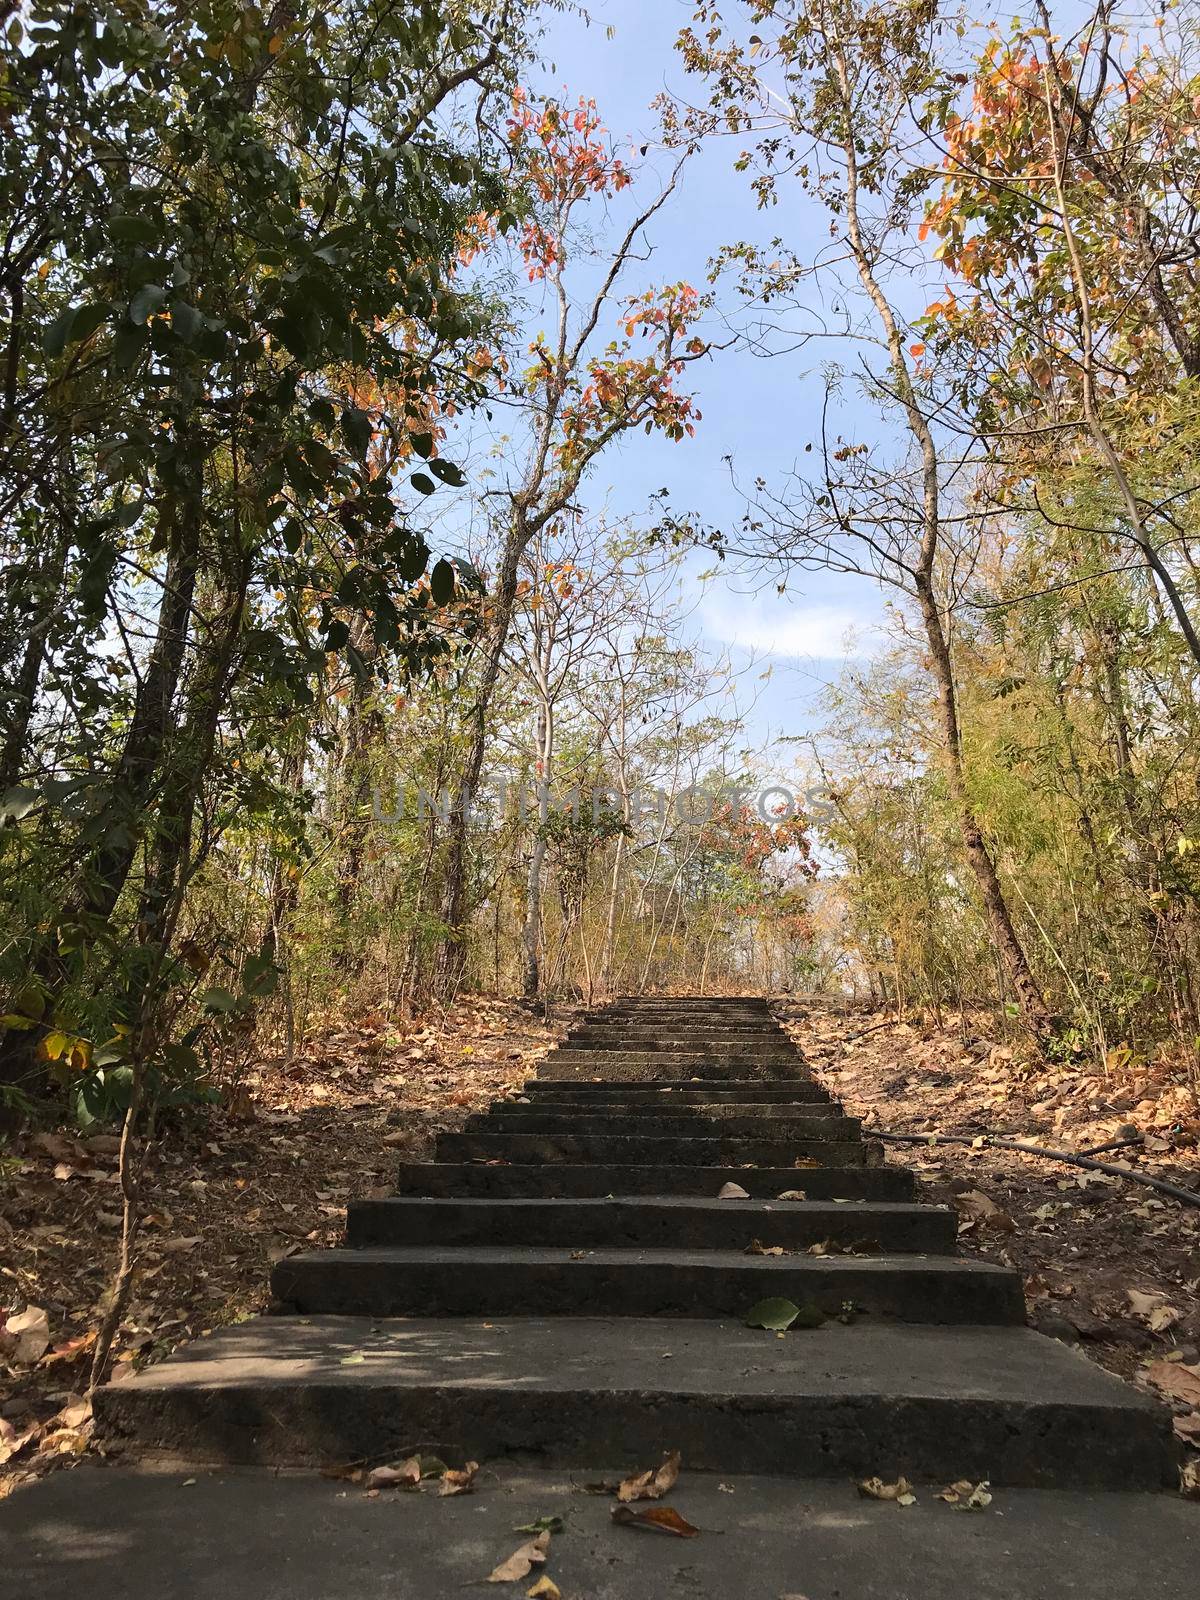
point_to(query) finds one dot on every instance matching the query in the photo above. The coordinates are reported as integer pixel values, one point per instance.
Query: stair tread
(720, 1357)
(636, 1256)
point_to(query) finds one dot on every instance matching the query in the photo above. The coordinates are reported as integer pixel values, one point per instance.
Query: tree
(579, 392)
(840, 123)
(231, 306)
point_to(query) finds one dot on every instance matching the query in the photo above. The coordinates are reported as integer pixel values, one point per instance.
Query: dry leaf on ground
(454, 1481)
(966, 1496)
(1153, 1310)
(977, 1209)
(658, 1519)
(26, 1336)
(522, 1561)
(403, 1475)
(792, 1194)
(732, 1191)
(1176, 1379)
(900, 1491)
(654, 1484)
(544, 1589)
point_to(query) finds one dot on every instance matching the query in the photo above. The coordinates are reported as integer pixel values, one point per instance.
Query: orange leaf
(658, 1519)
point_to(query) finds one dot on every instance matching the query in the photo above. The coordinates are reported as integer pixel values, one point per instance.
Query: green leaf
(149, 299)
(420, 481)
(779, 1314)
(542, 1525)
(442, 582)
(186, 321)
(17, 803)
(356, 429)
(10, 1019)
(447, 472)
(134, 230)
(72, 325)
(217, 1000)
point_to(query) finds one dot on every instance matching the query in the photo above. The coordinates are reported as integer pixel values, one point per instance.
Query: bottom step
(935, 1404)
(293, 1537)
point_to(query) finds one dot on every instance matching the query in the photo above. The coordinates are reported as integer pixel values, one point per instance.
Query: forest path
(567, 1285)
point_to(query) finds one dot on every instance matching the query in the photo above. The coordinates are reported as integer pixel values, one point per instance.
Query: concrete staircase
(563, 1286)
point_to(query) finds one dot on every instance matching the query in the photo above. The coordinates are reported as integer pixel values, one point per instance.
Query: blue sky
(760, 412)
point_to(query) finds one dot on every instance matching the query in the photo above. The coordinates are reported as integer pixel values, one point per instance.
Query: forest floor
(1107, 1264)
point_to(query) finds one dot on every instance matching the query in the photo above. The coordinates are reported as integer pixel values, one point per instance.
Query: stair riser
(621, 1225)
(637, 1096)
(776, 1110)
(649, 1067)
(344, 1284)
(683, 1044)
(831, 1126)
(928, 1439)
(452, 1180)
(633, 1150)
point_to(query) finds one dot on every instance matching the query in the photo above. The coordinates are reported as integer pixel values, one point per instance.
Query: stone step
(645, 1111)
(496, 1281)
(690, 1091)
(651, 1223)
(632, 1149)
(936, 1404)
(502, 1179)
(829, 1124)
(642, 1039)
(619, 1065)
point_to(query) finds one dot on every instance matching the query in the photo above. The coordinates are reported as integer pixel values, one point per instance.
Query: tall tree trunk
(452, 955)
(991, 892)
(189, 758)
(531, 932)
(1004, 935)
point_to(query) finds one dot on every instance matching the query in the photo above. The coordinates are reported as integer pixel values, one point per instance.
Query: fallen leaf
(454, 1481)
(900, 1491)
(779, 1314)
(757, 1248)
(544, 1589)
(26, 1335)
(792, 1194)
(12, 1441)
(1189, 1480)
(74, 1413)
(658, 1519)
(1176, 1380)
(1188, 1428)
(404, 1475)
(732, 1191)
(541, 1525)
(654, 1484)
(978, 1209)
(966, 1496)
(522, 1561)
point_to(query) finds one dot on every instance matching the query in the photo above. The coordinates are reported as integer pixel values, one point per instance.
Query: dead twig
(1189, 1197)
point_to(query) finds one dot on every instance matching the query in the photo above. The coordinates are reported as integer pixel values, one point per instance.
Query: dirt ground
(1107, 1264)
(230, 1191)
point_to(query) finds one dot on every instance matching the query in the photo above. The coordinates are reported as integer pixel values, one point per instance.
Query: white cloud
(772, 625)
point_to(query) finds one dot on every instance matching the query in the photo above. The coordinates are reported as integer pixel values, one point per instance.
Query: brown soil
(229, 1192)
(1108, 1264)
